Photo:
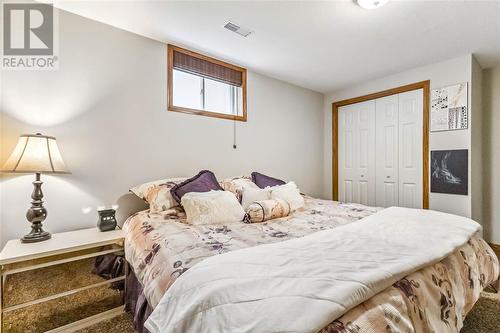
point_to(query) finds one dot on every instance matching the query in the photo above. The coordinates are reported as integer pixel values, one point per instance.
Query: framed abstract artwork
(449, 171)
(449, 109)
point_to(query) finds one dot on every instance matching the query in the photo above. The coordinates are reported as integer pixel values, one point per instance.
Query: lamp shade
(35, 153)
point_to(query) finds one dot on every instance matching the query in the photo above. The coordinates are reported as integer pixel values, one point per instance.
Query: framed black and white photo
(449, 108)
(449, 171)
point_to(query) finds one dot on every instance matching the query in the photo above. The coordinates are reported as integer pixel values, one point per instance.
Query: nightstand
(43, 280)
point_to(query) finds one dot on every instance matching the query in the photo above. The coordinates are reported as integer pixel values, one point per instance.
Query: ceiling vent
(242, 31)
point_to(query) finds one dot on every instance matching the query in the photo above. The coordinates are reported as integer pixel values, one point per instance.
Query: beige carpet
(484, 318)
(120, 324)
(36, 284)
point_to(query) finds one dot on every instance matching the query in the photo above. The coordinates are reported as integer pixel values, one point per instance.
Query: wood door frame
(425, 86)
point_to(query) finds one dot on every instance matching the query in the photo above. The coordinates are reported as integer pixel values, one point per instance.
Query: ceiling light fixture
(371, 4)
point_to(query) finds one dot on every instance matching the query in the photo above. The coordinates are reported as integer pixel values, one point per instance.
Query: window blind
(202, 67)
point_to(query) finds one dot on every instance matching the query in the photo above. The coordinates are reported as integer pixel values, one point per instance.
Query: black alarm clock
(107, 220)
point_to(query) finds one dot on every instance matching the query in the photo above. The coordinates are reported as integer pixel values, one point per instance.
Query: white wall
(491, 149)
(107, 107)
(441, 74)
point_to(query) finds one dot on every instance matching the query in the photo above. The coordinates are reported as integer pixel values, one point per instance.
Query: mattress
(161, 247)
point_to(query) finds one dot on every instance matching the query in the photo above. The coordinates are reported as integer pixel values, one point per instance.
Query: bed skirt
(110, 266)
(135, 302)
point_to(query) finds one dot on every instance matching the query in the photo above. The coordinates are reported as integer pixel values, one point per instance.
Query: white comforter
(302, 285)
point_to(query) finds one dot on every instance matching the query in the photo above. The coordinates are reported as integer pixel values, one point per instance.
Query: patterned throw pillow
(236, 185)
(264, 210)
(157, 193)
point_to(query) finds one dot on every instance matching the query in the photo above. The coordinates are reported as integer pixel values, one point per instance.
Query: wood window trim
(170, 92)
(425, 86)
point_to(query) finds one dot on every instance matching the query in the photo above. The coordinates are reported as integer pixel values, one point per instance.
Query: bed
(161, 247)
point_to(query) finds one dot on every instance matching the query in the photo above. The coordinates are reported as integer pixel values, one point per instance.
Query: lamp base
(36, 215)
(37, 236)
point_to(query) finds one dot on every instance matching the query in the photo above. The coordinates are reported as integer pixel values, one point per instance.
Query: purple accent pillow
(264, 181)
(204, 181)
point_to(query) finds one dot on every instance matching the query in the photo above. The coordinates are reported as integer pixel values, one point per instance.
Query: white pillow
(212, 207)
(250, 195)
(289, 193)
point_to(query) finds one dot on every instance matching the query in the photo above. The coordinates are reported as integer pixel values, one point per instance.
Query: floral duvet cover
(161, 246)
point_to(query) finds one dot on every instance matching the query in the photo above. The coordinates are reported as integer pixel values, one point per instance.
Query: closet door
(387, 162)
(357, 153)
(347, 152)
(366, 153)
(410, 148)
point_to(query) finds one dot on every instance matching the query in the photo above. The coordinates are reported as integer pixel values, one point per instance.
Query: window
(201, 85)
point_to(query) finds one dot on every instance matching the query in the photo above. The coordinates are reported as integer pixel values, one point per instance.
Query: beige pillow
(157, 193)
(237, 184)
(264, 210)
(214, 207)
(250, 194)
(289, 193)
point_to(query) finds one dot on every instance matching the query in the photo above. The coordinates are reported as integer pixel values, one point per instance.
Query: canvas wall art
(449, 108)
(449, 171)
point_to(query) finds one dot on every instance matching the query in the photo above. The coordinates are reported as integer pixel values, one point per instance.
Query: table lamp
(36, 153)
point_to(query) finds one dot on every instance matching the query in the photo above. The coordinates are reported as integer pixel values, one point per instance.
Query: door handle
(387, 176)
